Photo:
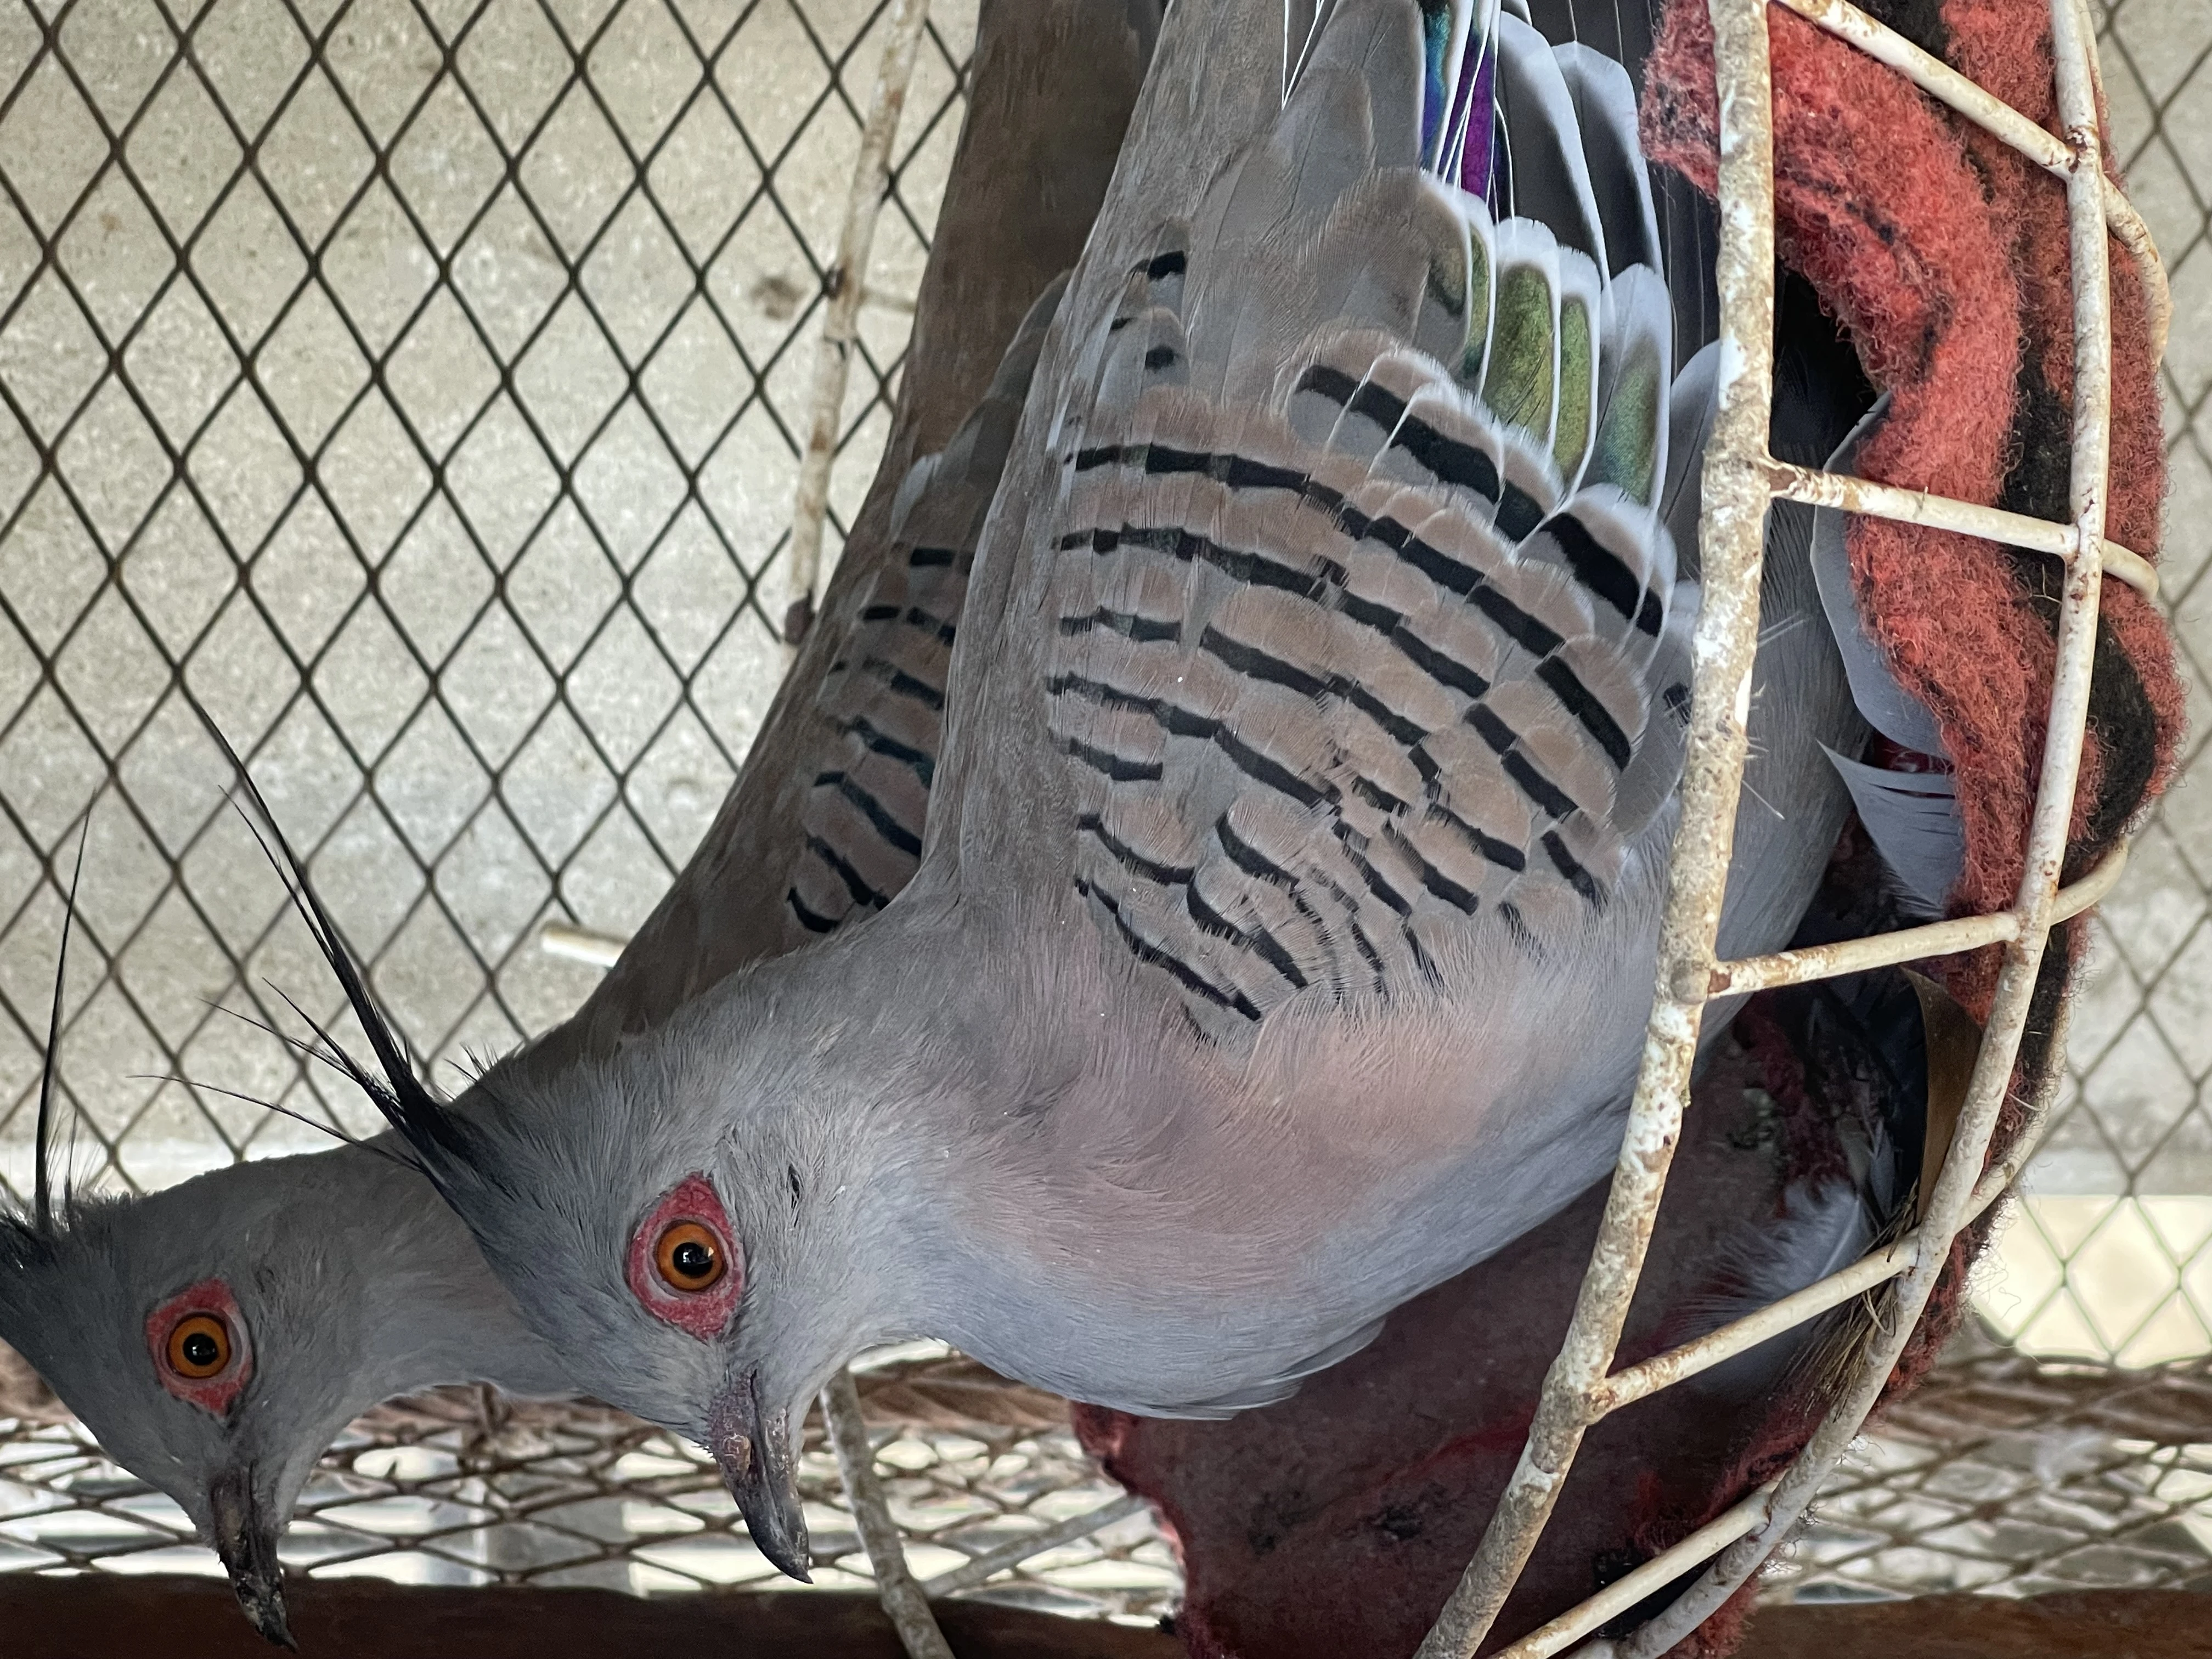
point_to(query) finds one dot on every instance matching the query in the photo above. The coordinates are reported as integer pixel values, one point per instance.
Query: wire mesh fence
(462, 1487)
(420, 383)
(2109, 1257)
(418, 387)
(2013, 1478)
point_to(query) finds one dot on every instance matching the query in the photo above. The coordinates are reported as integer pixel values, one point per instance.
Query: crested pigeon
(1282, 940)
(216, 1335)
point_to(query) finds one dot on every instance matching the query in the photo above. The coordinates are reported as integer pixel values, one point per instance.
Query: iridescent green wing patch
(1579, 284)
(1521, 374)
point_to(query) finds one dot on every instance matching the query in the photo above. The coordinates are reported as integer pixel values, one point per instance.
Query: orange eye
(200, 1346)
(688, 1256)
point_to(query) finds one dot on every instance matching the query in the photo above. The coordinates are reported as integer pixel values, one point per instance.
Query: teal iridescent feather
(1436, 92)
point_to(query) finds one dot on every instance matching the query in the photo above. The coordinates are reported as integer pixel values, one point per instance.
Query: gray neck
(1021, 1183)
(426, 1310)
(436, 1314)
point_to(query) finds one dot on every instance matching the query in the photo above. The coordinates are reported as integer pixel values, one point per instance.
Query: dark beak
(756, 1462)
(247, 1542)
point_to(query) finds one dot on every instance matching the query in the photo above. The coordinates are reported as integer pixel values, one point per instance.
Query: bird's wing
(1909, 805)
(1053, 82)
(1365, 638)
(882, 694)
(852, 837)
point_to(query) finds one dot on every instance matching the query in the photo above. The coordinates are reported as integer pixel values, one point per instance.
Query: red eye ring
(685, 1265)
(201, 1348)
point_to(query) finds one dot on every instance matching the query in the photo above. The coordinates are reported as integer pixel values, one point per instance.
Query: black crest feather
(42, 1198)
(406, 1103)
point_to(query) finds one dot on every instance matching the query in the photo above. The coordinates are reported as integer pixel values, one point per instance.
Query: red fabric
(1986, 45)
(1946, 271)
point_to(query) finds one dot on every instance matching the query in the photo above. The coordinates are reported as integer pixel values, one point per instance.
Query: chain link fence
(421, 383)
(418, 385)
(463, 1487)
(2014, 1476)
(2109, 1256)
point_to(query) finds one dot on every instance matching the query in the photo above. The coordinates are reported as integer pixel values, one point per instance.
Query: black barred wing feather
(863, 818)
(861, 823)
(1369, 644)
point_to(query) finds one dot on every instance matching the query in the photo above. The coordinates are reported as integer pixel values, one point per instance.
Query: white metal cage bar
(1936, 939)
(1742, 480)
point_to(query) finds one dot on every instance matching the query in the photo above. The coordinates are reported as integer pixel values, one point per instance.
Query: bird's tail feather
(1908, 802)
(1877, 1055)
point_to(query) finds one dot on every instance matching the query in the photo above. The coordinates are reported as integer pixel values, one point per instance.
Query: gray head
(141, 1329)
(152, 1349)
(216, 1336)
(708, 1278)
(684, 1228)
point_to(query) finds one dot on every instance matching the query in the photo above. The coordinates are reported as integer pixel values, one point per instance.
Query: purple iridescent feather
(1478, 90)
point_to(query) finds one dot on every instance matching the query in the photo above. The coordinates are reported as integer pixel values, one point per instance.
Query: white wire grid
(425, 382)
(419, 384)
(461, 1487)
